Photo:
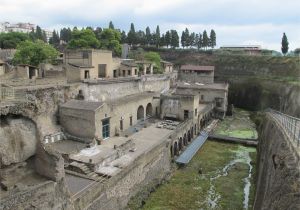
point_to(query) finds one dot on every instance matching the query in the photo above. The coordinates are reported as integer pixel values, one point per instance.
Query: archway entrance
(175, 149)
(180, 144)
(140, 113)
(149, 110)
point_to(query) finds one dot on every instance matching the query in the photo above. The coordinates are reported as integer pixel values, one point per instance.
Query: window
(86, 74)
(121, 124)
(196, 112)
(105, 128)
(130, 120)
(135, 71)
(85, 55)
(129, 73)
(186, 114)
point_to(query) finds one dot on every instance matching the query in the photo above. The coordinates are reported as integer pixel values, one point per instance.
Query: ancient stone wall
(278, 178)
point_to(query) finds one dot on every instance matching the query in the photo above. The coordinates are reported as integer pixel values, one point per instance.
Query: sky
(236, 22)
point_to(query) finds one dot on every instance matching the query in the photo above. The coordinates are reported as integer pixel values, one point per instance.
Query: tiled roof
(197, 68)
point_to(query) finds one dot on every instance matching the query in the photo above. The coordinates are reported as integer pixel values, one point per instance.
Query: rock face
(18, 139)
(278, 178)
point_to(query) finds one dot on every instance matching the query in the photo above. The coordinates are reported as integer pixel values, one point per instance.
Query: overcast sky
(235, 21)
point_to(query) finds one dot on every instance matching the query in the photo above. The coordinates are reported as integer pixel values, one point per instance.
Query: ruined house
(195, 73)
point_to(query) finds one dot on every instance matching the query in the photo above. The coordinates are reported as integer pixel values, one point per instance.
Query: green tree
(154, 57)
(110, 39)
(123, 37)
(97, 32)
(34, 53)
(199, 42)
(131, 36)
(39, 33)
(162, 41)
(111, 25)
(205, 41)
(174, 39)
(148, 36)
(192, 40)
(168, 39)
(84, 38)
(12, 39)
(140, 37)
(183, 39)
(54, 40)
(213, 39)
(284, 44)
(157, 36)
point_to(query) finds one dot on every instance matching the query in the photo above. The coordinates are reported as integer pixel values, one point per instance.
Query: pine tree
(111, 25)
(157, 36)
(284, 44)
(213, 39)
(168, 39)
(174, 39)
(162, 41)
(131, 36)
(54, 40)
(183, 39)
(148, 36)
(187, 37)
(192, 40)
(200, 42)
(39, 33)
(123, 37)
(205, 41)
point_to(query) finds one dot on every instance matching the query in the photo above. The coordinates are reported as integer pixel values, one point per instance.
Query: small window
(85, 55)
(196, 112)
(121, 125)
(186, 114)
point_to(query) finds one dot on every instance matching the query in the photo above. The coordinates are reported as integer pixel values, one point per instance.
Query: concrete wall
(278, 183)
(190, 76)
(117, 111)
(104, 92)
(80, 123)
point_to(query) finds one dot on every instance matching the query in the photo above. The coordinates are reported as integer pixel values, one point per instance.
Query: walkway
(289, 124)
(192, 149)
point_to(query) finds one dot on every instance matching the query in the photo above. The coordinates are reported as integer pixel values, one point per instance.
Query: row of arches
(141, 111)
(179, 144)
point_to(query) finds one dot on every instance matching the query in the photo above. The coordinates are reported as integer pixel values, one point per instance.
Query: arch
(171, 151)
(195, 127)
(175, 149)
(140, 113)
(192, 132)
(189, 136)
(185, 139)
(180, 145)
(149, 110)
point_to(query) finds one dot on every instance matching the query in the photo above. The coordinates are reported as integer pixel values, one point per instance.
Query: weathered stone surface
(18, 139)
(278, 180)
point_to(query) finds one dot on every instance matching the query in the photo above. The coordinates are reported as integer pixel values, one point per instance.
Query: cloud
(235, 21)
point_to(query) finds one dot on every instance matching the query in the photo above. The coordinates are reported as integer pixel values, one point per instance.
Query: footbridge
(289, 125)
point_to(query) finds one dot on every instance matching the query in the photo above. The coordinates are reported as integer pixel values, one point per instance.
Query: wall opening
(149, 110)
(140, 113)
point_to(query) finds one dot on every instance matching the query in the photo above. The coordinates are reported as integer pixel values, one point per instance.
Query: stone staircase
(83, 169)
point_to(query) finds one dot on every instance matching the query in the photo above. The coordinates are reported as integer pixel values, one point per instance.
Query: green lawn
(239, 125)
(189, 186)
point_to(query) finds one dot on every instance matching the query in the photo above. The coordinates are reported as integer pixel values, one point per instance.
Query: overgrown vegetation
(189, 187)
(34, 53)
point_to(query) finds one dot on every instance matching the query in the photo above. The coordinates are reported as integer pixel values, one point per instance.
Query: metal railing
(290, 124)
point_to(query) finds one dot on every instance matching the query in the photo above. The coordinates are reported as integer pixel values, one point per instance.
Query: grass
(188, 189)
(239, 126)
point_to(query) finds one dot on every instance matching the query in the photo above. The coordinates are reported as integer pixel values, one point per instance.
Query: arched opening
(175, 149)
(185, 139)
(189, 136)
(149, 110)
(180, 144)
(192, 132)
(171, 151)
(195, 129)
(140, 113)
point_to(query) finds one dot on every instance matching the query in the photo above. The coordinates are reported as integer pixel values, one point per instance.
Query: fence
(290, 124)
(54, 137)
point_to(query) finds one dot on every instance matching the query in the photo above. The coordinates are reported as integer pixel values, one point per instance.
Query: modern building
(196, 73)
(247, 49)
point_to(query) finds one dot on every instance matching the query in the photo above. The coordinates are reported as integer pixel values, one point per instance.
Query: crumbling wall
(278, 179)
(18, 139)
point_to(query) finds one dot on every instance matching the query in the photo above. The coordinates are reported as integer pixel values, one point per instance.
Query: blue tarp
(191, 150)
